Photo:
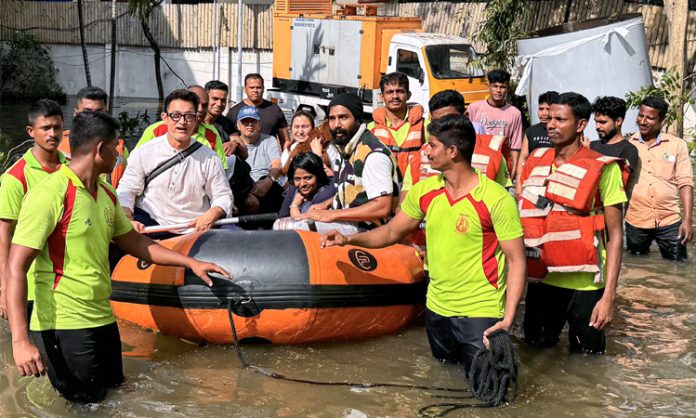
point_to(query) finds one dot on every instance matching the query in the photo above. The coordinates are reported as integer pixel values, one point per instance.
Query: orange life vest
(115, 176)
(487, 158)
(409, 151)
(561, 229)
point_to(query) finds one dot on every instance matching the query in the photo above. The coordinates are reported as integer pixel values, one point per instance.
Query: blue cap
(249, 112)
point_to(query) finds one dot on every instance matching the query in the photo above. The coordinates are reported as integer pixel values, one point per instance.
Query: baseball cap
(249, 112)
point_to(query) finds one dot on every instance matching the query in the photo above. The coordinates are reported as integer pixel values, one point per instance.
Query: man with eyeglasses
(204, 133)
(193, 191)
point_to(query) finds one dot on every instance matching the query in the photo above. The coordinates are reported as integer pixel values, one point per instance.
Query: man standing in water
(572, 255)
(474, 239)
(66, 225)
(666, 176)
(45, 128)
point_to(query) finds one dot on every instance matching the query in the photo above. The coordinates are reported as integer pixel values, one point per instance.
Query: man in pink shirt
(498, 116)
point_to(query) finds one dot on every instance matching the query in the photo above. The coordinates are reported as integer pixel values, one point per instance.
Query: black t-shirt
(537, 137)
(272, 117)
(622, 149)
(225, 127)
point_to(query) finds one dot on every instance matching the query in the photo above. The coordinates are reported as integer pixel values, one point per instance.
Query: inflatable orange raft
(285, 289)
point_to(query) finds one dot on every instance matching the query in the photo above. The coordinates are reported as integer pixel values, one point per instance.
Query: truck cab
(319, 52)
(435, 62)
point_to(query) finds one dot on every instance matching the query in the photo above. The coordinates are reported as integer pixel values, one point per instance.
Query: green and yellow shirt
(466, 264)
(24, 175)
(72, 229)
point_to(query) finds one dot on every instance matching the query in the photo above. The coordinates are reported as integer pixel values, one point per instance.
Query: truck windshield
(453, 61)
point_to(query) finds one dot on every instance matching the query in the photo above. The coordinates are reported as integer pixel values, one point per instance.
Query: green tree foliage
(26, 70)
(500, 31)
(669, 89)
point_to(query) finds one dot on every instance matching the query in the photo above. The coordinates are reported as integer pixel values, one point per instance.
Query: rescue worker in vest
(66, 225)
(474, 238)
(94, 99)
(488, 157)
(396, 125)
(573, 244)
(204, 133)
(368, 178)
(46, 129)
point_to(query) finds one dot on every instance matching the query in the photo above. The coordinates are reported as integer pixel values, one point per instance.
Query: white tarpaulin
(609, 60)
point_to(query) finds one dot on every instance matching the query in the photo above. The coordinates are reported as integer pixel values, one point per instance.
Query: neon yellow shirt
(72, 230)
(467, 266)
(612, 192)
(24, 175)
(206, 135)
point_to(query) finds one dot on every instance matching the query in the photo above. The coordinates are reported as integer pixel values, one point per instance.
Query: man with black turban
(368, 180)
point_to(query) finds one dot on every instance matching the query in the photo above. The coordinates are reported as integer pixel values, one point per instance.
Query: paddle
(261, 217)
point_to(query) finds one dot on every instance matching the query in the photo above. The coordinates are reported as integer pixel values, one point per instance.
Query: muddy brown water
(649, 369)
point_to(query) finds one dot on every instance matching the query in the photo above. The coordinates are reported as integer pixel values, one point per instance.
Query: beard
(608, 135)
(344, 138)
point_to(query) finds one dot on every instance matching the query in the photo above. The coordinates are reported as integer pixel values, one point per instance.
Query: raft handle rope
(492, 373)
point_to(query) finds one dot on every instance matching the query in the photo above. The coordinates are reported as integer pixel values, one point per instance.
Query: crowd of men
(491, 206)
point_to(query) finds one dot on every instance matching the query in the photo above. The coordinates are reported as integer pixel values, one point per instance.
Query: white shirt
(180, 194)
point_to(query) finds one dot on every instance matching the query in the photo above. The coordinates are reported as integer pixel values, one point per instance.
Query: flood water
(649, 369)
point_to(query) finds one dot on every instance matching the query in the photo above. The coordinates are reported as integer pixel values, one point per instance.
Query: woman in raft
(308, 138)
(309, 185)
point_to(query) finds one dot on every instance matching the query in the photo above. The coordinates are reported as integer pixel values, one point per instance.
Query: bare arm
(514, 156)
(394, 231)
(516, 277)
(148, 250)
(283, 136)
(276, 169)
(524, 153)
(25, 353)
(602, 313)
(6, 228)
(685, 229)
(377, 208)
